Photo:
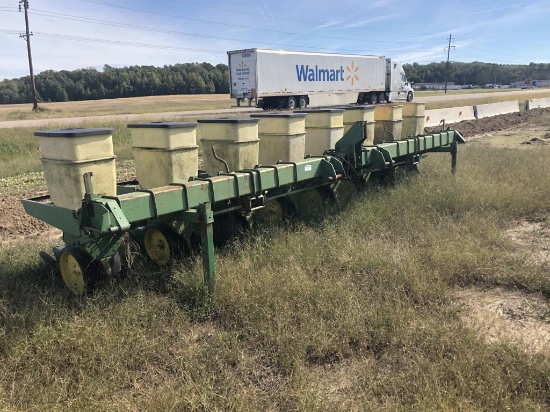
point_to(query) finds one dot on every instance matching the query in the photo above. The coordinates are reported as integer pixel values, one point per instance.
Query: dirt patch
(500, 315)
(532, 238)
(478, 127)
(15, 223)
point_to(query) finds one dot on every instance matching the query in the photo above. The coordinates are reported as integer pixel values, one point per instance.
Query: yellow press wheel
(161, 244)
(76, 269)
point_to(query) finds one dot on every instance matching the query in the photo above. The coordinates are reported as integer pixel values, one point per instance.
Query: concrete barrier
(450, 115)
(494, 109)
(538, 103)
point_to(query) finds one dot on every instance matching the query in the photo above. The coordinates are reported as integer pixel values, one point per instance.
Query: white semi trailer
(287, 79)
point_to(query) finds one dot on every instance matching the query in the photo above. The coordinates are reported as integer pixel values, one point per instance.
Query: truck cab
(397, 85)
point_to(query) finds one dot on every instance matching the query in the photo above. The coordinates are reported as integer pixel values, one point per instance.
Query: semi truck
(281, 79)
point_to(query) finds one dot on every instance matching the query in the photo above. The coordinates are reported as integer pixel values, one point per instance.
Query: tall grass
(349, 312)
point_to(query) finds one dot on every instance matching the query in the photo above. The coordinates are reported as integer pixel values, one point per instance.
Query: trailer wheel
(371, 98)
(381, 98)
(302, 102)
(291, 103)
(409, 97)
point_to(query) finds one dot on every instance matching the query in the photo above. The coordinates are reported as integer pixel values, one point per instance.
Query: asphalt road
(76, 121)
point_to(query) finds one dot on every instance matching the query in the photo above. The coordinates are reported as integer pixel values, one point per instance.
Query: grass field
(133, 105)
(352, 313)
(354, 310)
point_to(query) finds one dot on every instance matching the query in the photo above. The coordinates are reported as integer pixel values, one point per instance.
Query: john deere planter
(187, 209)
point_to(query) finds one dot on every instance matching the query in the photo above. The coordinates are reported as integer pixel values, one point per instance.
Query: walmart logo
(316, 74)
(305, 73)
(352, 73)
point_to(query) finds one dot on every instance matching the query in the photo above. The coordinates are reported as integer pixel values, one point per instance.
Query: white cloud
(494, 9)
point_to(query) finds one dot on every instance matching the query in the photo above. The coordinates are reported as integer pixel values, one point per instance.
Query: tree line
(111, 82)
(476, 73)
(203, 78)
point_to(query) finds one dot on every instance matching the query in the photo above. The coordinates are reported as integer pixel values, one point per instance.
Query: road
(76, 121)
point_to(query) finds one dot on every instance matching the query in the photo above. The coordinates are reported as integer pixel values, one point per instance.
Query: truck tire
(291, 103)
(302, 102)
(409, 97)
(388, 98)
(381, 98)
(371, 98)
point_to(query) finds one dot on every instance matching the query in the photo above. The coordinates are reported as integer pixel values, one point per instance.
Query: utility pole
(448, 55)
(27, 37)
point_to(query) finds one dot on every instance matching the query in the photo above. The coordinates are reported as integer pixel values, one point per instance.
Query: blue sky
(71, 34)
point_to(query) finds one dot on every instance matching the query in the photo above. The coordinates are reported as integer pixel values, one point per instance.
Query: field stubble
(132, 105)
(360, 309)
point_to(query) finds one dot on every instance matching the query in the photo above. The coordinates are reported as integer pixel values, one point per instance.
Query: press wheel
(161, 244)
(274, 211)
(76, 269)
(345, 192)
(313, 201)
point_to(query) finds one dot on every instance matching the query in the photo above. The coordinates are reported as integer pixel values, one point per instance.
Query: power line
(152, 29)
(64, 16)
(97, 21)
(119, 42)
(123, 43)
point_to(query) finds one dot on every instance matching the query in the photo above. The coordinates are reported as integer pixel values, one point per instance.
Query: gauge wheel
(77, 269)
